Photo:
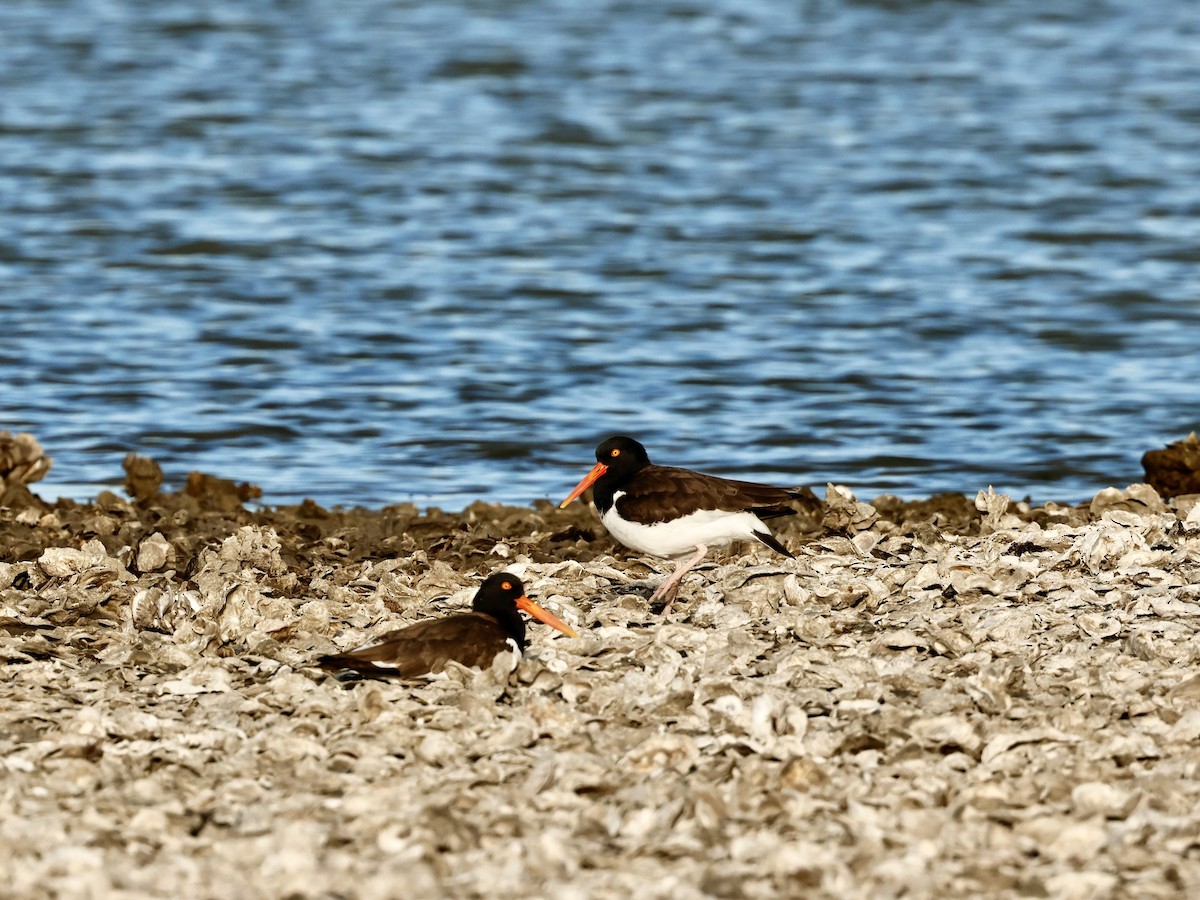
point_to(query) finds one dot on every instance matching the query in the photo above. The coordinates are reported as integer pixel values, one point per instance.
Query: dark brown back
(660, 493)
(472, 639)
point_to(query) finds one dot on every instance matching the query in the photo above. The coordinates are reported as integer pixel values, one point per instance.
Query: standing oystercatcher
(472, 638)
(671, 512)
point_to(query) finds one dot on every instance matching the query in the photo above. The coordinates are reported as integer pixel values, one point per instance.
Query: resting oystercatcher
(671, 512)
(472, 638)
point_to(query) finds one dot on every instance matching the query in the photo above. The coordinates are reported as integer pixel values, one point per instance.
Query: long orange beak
(542, 615)
(597, 470)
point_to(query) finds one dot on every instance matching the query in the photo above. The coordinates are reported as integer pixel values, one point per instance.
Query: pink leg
(670, 586)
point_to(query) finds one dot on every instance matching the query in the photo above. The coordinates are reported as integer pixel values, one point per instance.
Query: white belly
(680, 537)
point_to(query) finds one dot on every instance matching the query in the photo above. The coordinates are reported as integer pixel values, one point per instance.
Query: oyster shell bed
(937, 698)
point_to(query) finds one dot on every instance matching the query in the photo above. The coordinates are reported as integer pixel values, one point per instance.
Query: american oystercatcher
(472, 638)
(671, 512)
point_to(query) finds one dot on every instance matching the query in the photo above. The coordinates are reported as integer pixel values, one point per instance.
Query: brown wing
(472, 639)
(659, 493)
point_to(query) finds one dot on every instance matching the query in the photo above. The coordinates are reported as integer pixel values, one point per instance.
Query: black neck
(607, 485)
(511, 621)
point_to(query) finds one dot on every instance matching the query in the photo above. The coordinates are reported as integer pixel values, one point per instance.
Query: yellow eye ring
(615, 452)
(506, 585)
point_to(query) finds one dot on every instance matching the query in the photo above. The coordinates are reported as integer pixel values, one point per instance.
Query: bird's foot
(666, 593)
(669, 589)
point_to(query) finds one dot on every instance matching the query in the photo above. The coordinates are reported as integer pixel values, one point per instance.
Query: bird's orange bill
(597, 470)
(542, 615)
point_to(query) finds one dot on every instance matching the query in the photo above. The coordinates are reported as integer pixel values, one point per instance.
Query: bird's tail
(805, 496)
(773, 542)
(347, 668)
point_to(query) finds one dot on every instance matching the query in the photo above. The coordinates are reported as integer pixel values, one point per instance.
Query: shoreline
(84, 494)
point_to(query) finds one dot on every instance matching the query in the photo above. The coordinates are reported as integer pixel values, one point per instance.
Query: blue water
(388, 251)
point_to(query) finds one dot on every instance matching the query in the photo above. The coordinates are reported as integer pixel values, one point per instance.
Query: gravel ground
(937, 699)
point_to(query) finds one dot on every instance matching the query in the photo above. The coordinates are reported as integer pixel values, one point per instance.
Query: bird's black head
(618, 459)
(499, 591)
(502, 595)
(622, 456)
(497, 597)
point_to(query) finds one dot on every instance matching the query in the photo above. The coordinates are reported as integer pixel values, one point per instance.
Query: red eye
(615, 453)
(506, 585)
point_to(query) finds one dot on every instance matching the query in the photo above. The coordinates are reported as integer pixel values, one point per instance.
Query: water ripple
(390, 251)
